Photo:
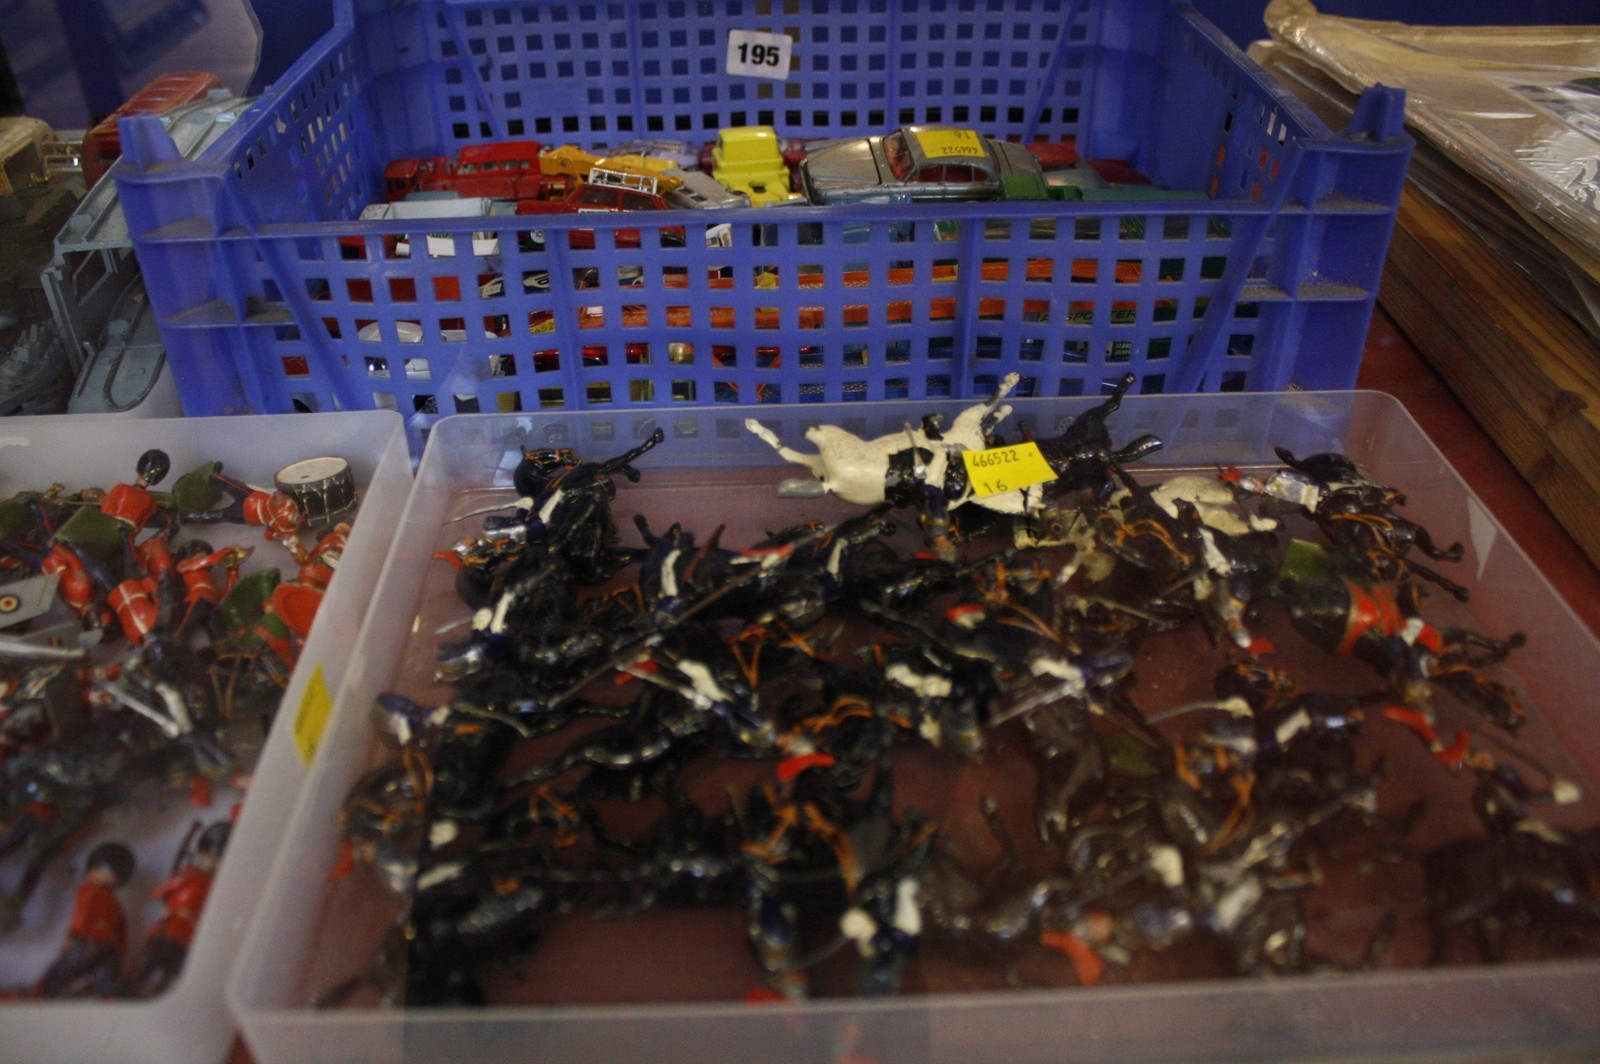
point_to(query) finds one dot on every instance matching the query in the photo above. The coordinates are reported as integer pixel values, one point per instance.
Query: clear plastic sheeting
(1516, 106)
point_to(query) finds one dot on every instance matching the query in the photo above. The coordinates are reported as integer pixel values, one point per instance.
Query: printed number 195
(758, 55)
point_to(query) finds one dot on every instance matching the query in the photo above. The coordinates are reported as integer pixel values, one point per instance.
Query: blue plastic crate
(271, 299)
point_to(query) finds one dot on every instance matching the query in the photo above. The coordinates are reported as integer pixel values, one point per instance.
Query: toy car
(618, 190)
(702, 192)
(915, 163)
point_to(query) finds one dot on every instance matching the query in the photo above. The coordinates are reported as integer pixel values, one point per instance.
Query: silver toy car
(916, 163)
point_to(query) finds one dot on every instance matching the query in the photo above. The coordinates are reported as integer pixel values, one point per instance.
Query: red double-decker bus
(103, 144)
(506, 170)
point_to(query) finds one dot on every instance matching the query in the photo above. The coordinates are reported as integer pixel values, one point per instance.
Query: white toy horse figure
(921, 467)
(898, 467)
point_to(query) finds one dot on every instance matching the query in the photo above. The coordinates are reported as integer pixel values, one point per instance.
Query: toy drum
(324, 488)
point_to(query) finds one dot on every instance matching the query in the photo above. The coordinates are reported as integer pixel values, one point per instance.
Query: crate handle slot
(1378, 117)
(478, 72)
(1210, 338)
(323, 358)
(1057, 56)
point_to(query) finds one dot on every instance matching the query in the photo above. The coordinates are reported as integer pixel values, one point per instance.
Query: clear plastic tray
(190, 1022)
(711, 471)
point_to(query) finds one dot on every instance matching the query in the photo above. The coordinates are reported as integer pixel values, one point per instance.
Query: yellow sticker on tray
(311, 715)
(947, 143)
(997, 470)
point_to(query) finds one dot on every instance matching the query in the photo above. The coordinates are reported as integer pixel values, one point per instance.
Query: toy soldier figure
(132, 505)
(182, 897)
(198, 567)
(274, 512)
(97, 939)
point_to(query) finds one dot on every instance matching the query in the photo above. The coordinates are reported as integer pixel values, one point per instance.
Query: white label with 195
(753, 54)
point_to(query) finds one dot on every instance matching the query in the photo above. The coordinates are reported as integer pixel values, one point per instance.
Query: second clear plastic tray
(710, 471)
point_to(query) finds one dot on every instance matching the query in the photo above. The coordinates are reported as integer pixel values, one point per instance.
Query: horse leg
(813, 462)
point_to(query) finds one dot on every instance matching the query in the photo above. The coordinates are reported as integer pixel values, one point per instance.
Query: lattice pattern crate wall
(273, 299)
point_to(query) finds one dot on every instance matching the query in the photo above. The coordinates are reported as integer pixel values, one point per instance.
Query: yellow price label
(997, 470)
(944, 143)
(311, 715)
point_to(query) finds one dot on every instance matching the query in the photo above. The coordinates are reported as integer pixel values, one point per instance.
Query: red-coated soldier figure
(83, 579)
(275, 513)
(132, 505)
(317, 565)
(198, 567)
(43, 553)
(136, 602)
(292, 608)
(74, 584)
(182, 898)
(143, 600)
(91, 956)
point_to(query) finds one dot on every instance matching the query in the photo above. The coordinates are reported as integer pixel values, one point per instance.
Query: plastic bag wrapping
(1516, 106)
(1561, 268)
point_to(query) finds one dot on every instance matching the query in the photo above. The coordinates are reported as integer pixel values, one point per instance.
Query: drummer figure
(275, 512)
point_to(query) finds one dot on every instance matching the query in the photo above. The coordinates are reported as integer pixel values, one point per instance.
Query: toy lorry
(748, 159)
